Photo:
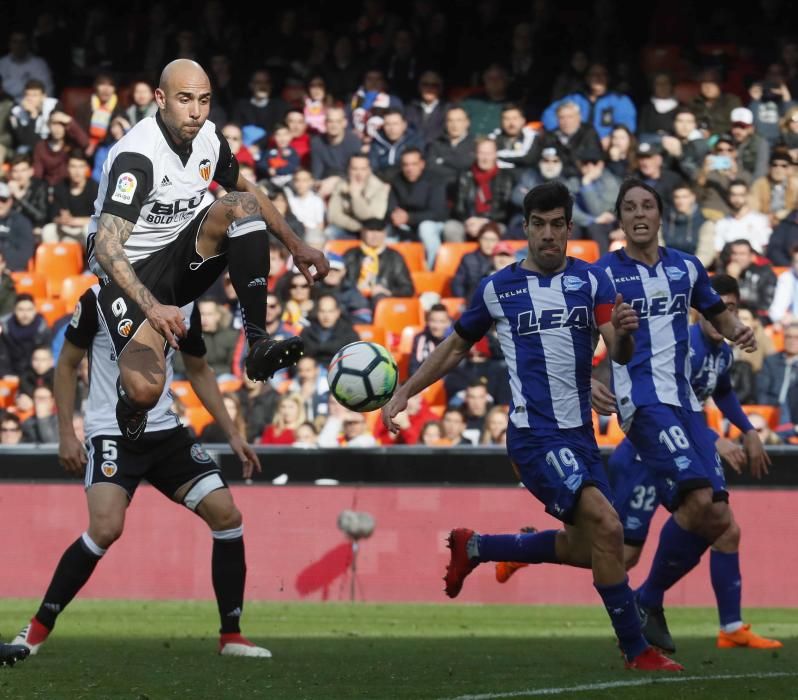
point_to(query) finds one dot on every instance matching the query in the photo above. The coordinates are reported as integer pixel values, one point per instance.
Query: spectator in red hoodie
(232, 132)
(50, 155)
(411, 423)
(300, 138)
(289, 416)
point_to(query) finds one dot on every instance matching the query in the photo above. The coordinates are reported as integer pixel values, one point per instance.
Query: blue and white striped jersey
(545, 325)
(662, 295)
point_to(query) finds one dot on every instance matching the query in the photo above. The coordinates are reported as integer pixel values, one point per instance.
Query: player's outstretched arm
(71, 452)
(618, 332)
(109, 242)
(443, 359)
(203, 381)
(734, 330)
(304, 255)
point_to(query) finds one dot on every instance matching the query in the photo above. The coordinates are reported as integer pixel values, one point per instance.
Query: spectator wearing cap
(685, 227)
(427, 113)
(514, 138)
(742, 222)
(503, 255)
(417, 204)
(569, 134)
(452, 153)
(719, 169)
(686, 145)
(483, 194)
(389, 142)
(353, 304)
(712, 105)
(599, 106)
(376, 270)
(595, 193)
(549, 168)
(478, 264)
(361, 196)
(16, 233)
(753, 150)
(651, 171)
(776, 194)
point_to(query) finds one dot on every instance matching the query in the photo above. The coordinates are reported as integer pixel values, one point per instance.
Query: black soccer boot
(132, 421)
(267, 355)
(11, 653)
(655, 628)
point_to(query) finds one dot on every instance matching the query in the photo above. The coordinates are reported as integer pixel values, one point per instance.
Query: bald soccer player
(158, 240)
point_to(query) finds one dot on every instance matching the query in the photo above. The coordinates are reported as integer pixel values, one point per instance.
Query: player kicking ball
(158, 241)
(546, 309)
(165, 455)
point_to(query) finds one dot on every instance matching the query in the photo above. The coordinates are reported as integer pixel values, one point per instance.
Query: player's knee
(608, 529)
(631, 557)
(729, 541)
(696, 508)
(227, 517)
(719, 519)
(105, 531)
(142, 393)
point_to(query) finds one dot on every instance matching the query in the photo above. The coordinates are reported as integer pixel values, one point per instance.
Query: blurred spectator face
(738, 196)
(684, 124)
(142, 94)
(335, 122)
(487, 241)
(430, 86)
(32, 100)
(550, 165)
(317, 90)
(453, 426)
(25, 312)
(276, 262)
(57, 128)
(710, 87)
(5, 206)
(274, 309)
(495, 81)
(779, 170)
(295, 121)
(300, 289)
(43, 402)
(307, 370)
(278, 198)
(747, 318)
(22, 173)
(303, 182)
(10, 432)
(328, 312)
(588, 167)
(210, 316)
(305, 434)
(791, 340)
(282, 137)
(512, 122)
(374, 238)
(412, 166)
(373, 81)
(486, 155)
(684, 200)
(651, 165)
(496, 424)
(476, 400)
(724, 148)
(288, 410)
(79, 426)
(354, 425)
(2, 263)
(104, 89)
(741, 255)
(18, 45)
(620, 139)
(261, 84)
(233, 136)
(335, 276)
(42, 360)
(662, 87)
(569, 119)
(394, 126)
(359, 169)
(438, 323)
(248, 173)
(431, 434)
(596, 78)
(457, 123)
(76, 171)
(741, 131)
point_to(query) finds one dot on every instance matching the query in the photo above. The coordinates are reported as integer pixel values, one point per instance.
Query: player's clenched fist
(624, 317)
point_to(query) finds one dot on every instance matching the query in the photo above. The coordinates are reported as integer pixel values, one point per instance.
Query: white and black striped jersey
(87, 332)
(159, 187)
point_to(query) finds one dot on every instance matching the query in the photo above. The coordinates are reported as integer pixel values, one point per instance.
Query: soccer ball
(362, 376)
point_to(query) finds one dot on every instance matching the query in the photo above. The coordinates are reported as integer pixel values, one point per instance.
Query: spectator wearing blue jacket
(393, 139)
(600, 107)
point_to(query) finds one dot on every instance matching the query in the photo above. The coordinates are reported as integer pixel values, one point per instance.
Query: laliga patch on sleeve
(75, 321)
(125, 188)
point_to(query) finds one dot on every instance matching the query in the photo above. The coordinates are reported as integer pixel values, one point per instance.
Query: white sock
(732, 627)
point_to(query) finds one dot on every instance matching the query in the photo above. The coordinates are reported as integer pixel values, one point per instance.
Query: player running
(545, 310)
(165, 455)
(635, 489)
(157, 240)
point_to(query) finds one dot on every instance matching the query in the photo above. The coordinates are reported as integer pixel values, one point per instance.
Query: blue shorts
(679, 451)
(556, 465)
(634, 490)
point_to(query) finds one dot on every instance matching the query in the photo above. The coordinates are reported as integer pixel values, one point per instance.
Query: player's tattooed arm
(109, 243)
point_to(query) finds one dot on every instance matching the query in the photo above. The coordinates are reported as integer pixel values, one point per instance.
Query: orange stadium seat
(199, 417)
(229, 386)
(183, 391)
(30, 283)
(614, 434)
(776, 335)
(371, 334)
(73, 287)
(778, 269)
(413, 254)
(713, 417)
(393, 314)
(455, 306)
(57, 261)
(340, 247)
(583, 249)
(8, 392)
(51, 309)
(449, 256)
(769, 413)
(431, 282)
(435, 394)
(406, 339)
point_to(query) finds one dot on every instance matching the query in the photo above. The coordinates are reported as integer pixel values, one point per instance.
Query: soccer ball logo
(362, 376)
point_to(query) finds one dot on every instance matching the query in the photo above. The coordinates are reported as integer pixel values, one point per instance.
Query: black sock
(229, 572)
(76, 566)
(248, 263)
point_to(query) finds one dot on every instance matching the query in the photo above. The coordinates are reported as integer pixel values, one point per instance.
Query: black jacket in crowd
(424, 199)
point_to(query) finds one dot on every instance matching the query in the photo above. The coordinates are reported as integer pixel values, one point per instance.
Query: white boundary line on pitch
(609, 685)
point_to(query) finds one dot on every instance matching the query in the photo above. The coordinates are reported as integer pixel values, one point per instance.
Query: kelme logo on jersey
(571, 283)
(199, 454)
(108, 469)
(125, 188)
(529, 322)
(125, 327)
(660, 306)
(205, 169)
(674, 273)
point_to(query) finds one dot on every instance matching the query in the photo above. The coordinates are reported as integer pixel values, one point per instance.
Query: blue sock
(620, 604)
(724, 570)
(532, 548)
(679, 552)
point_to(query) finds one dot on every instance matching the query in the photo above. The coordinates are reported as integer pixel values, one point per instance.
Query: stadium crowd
(406, 156)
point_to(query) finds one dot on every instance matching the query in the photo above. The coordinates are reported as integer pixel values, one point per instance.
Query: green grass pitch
(165, 650)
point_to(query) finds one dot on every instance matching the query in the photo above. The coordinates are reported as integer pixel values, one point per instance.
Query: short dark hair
(435, 308)
(24, 297)
(741, 241)
(479, 382)
(393, 110)
(512, 107)
(630, 184)
(456, 409)
(411, 151)
(328, 295)
(357, 155)
(548, 196)
(22, 158)
(7, 416)
(34, 84)
(725, 284)
(77, 154)
(737, 183)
